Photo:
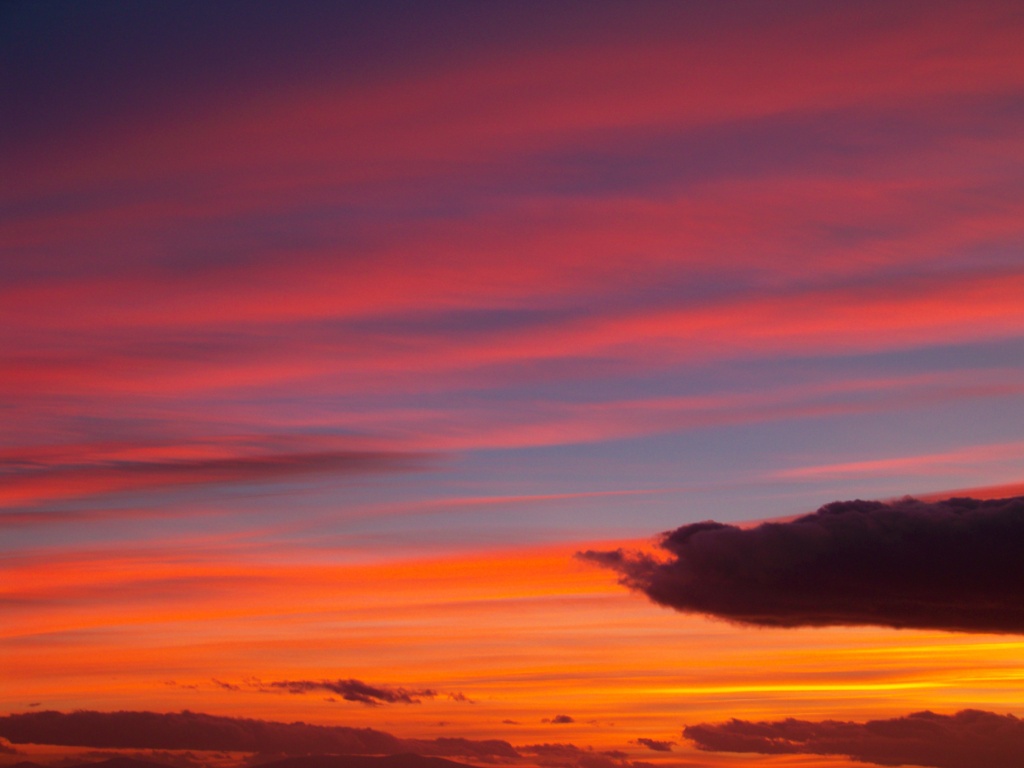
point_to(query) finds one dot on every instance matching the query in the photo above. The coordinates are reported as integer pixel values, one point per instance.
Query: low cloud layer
(560, 755)
(968, 739)
(196, 731)
(356, 690)
(951, 565)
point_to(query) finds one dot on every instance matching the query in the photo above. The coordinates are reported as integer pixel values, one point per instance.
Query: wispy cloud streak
(71, 471)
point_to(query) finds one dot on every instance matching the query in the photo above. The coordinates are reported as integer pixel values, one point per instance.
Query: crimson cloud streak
(952, 565)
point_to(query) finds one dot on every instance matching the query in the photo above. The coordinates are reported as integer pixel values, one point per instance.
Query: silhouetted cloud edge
(954, 565)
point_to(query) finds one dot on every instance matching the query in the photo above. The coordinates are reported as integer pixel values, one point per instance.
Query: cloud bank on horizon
(953, 565)
(192, 731)
(196, 731)
(967, 739)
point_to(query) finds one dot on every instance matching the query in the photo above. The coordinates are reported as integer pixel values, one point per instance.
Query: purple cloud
(954, 565)
(196, 731)
(356, 690)
(968, 739)
(656, 745)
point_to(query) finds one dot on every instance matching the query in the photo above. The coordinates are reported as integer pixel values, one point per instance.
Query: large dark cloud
(192, 730)
(968, 739)
(956, 565)
(356, 690)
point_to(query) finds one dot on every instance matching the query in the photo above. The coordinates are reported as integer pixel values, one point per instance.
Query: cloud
(356, 690)
(952, 565)
(553, 750)
(196, 731)
(451, 746)
(78, 471)
(6, 748)
(144, 759)
(968, 739)
(559, 720)
(657, 746)
(559, 755)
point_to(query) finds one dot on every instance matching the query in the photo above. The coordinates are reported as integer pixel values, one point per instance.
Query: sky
(381, 366)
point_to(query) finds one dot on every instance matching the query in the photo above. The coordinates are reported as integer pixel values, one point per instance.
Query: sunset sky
(354, 356)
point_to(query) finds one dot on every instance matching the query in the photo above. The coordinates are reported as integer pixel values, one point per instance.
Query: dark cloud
(954, 565)
(195, 731)
(570, 756)
(356, 690)
(147, 759)
(657, 746)
(450, 746)
(552, 750)
(108, 760)
(968, 739)
(559, 720)
(190, 760)
(365, 761)
(597, 761)
(6, 748)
